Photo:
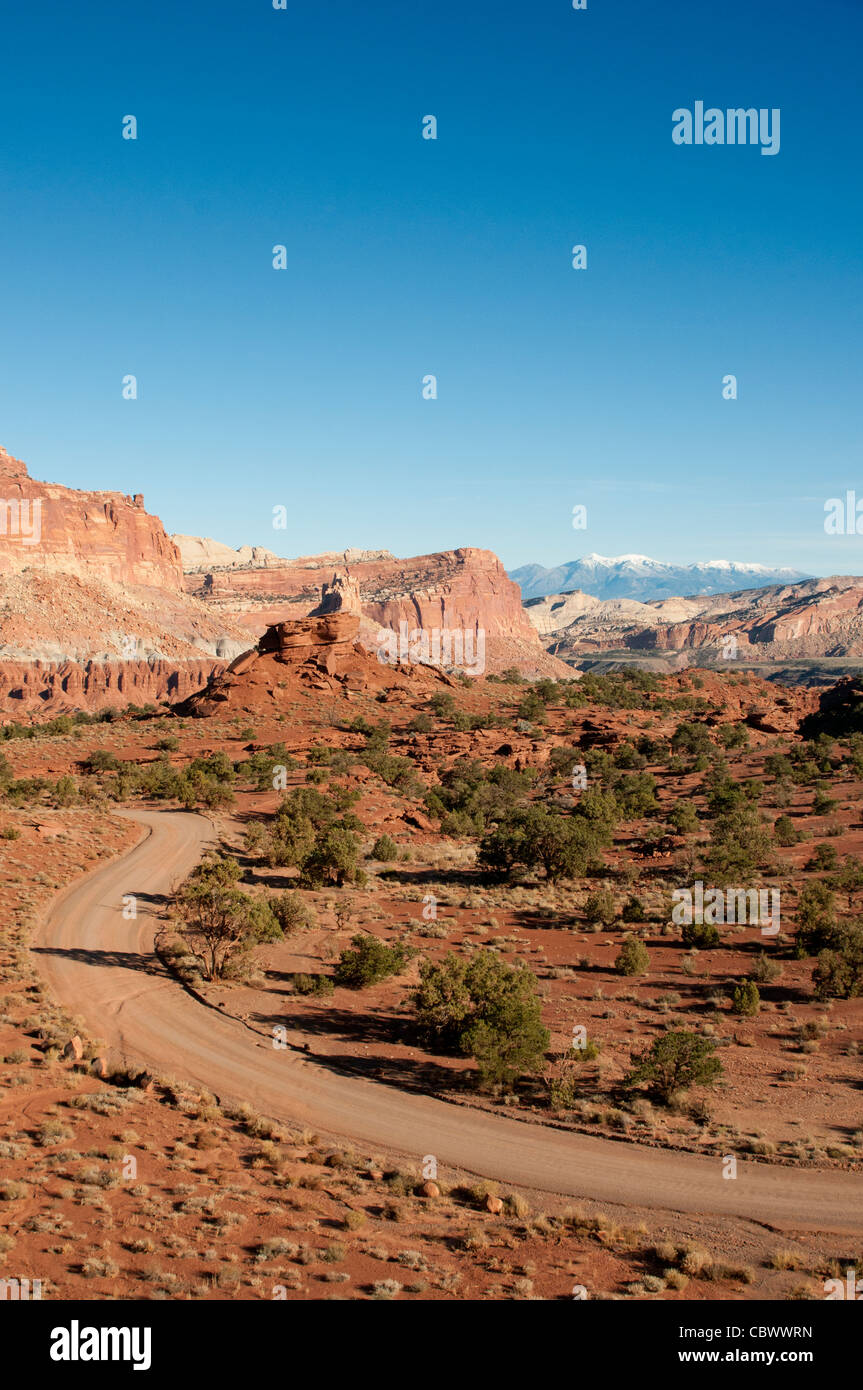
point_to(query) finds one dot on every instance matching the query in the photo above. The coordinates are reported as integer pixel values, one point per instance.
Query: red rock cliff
(95, 535)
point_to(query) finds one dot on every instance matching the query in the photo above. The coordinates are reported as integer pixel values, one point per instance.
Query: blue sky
(406, 257)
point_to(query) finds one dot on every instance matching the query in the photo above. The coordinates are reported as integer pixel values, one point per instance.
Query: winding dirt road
(102, 968)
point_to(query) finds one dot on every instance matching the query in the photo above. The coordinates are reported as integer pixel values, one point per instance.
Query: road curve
(102, 968)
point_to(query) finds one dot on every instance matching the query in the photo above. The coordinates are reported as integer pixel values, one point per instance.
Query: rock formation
(819, 618)
(94, 535)
(318, 653)
(455, 590)
(93, 608)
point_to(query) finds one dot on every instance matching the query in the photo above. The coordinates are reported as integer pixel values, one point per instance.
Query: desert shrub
(702, 935)
(385, 849)
(786, 832)
(734, 736)
(443, 705)
(816, 919)
(470, 796)
(486, 1009)
(745, 999)
(334, 858)
(218, 920)
(684, 818)
(739, 845)
(633, 957)
(618, 690)
(674, 1062)
(823, 804)
(292, 913)
(562, 760)
(531, 708)
(565, 846)
(368, 960)
(600, 808)
(635, 795)
(101, 760)
(692, 739)
(777, 766)
(599, 907)
(838, 973)
(765, 970)
(420, 724)
(260, 768)
(627, 757)
(823, 857)
(65, 792)
(849, 879)
(312, 984)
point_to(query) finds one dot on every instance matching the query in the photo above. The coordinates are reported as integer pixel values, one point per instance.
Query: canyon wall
(95, 535)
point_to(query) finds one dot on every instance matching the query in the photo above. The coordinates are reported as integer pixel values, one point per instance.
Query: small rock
(74, 1048)
(430, 1189)
(494, 1205)
(99, 1067)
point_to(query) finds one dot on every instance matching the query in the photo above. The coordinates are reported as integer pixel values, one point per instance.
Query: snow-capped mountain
(640, 577)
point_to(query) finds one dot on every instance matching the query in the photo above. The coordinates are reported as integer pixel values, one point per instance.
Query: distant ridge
(640, 577)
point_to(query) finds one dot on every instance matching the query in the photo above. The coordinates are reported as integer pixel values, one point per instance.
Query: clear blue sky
(405, 257)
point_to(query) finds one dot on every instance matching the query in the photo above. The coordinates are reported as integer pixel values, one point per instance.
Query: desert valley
(330, 970)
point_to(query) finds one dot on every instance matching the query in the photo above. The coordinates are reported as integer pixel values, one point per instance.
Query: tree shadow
(126, 960)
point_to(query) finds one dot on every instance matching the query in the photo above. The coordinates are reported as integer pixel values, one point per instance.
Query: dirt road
(102, 968)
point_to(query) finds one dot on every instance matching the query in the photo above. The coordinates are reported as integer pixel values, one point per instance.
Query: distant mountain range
(639, 577)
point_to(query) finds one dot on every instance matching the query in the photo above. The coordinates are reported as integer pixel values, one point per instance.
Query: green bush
(786, 832)
(101, 760)
(745, 999)
(838, 973)
(684, 818)
(701, 935)
(484, 1008)
(599, 907)
(384, 849)
(674, 1062)
(369, 960)
(565, 846)
(816, 919)
(292, 913)
(823, 857)
(765, 970)
(633, 957)
(312, 984)
(218, 921)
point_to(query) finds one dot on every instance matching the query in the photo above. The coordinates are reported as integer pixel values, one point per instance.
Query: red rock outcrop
(52, 688)
(461, 590)
(320, 653)
(96, 535)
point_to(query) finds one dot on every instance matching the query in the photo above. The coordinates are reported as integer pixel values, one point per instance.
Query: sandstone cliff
(457, 590)
(95, 535)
